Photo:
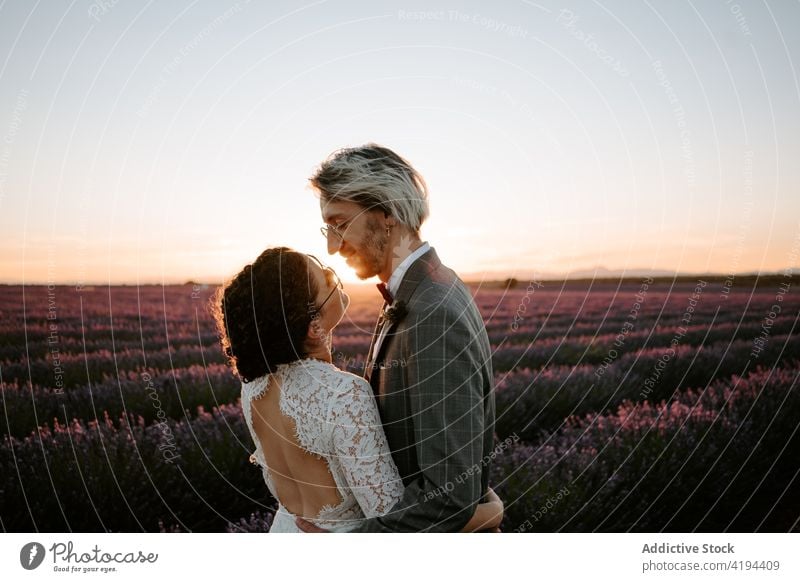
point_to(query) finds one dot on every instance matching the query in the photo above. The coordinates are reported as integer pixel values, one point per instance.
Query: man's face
(358, 235)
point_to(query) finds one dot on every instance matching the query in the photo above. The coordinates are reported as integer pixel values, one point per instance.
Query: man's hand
(309, 527)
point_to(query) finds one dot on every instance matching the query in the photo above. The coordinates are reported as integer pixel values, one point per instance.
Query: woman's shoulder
(325, 374)
(347, 381)
(342, 392)
(254, 389)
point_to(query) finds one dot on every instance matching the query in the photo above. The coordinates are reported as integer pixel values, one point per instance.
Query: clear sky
(166, 141)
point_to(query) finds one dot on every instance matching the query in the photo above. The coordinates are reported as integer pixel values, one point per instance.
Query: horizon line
(469, 278)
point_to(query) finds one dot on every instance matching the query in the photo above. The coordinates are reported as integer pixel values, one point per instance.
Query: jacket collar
(420, 270)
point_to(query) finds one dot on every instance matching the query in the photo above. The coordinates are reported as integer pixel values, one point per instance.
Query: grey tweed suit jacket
(433, 382)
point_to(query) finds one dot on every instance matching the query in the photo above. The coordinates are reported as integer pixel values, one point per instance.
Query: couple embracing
(404, 448)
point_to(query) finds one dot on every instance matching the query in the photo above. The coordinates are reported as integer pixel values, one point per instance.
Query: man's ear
(390, 220)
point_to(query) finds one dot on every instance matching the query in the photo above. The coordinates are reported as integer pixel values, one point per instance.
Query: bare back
(321, 446)
(302, 480)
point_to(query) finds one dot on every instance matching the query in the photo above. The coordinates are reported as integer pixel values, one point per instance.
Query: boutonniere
(396, 312)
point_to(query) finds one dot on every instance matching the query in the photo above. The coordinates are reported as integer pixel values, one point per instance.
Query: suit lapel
(420, 270)
(376, 332)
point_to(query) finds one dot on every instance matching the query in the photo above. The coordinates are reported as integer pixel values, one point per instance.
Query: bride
(318, 436)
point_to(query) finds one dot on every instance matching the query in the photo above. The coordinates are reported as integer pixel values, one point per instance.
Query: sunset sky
(161, 142)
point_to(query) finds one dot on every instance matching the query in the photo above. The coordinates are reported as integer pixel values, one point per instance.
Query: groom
(429, 363)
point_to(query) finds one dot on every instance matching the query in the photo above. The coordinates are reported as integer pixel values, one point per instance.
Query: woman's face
(334, 301)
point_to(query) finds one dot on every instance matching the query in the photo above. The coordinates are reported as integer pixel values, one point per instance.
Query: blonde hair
(375, 178)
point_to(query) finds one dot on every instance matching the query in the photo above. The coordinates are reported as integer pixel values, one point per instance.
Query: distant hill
(601, 272)
(604, 276)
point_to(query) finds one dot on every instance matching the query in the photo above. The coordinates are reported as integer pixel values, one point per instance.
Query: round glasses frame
(338, 231)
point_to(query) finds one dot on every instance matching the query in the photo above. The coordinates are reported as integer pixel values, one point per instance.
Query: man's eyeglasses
(331, 278)
(338, 230)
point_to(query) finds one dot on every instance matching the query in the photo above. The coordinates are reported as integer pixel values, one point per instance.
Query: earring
(388, 230)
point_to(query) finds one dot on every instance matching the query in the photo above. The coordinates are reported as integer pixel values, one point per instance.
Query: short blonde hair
(375, 178)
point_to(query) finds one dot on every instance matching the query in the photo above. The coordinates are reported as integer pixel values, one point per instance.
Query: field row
(724, 457)
(67, 370)
(529, 400)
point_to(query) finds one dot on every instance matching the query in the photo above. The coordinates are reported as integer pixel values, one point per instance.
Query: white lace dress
(336, 418)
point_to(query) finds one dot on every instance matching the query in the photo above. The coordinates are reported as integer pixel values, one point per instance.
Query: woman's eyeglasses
(331, 278)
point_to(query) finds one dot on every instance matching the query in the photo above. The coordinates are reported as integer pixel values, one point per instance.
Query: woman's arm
(360, 445)
(488, 515)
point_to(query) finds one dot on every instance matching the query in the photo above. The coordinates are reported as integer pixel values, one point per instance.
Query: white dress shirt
(394, 285)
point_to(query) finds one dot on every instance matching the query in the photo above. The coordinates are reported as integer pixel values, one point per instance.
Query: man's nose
(334, 243)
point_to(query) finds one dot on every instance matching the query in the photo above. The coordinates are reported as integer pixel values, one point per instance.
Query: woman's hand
(488, 515)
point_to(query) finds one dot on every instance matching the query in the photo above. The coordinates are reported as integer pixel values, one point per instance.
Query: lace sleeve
(361, 449)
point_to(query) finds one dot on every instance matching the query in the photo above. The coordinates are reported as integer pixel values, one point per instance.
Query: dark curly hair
(263, 313)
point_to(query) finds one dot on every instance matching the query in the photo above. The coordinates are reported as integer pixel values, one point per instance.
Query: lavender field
(640, 406)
